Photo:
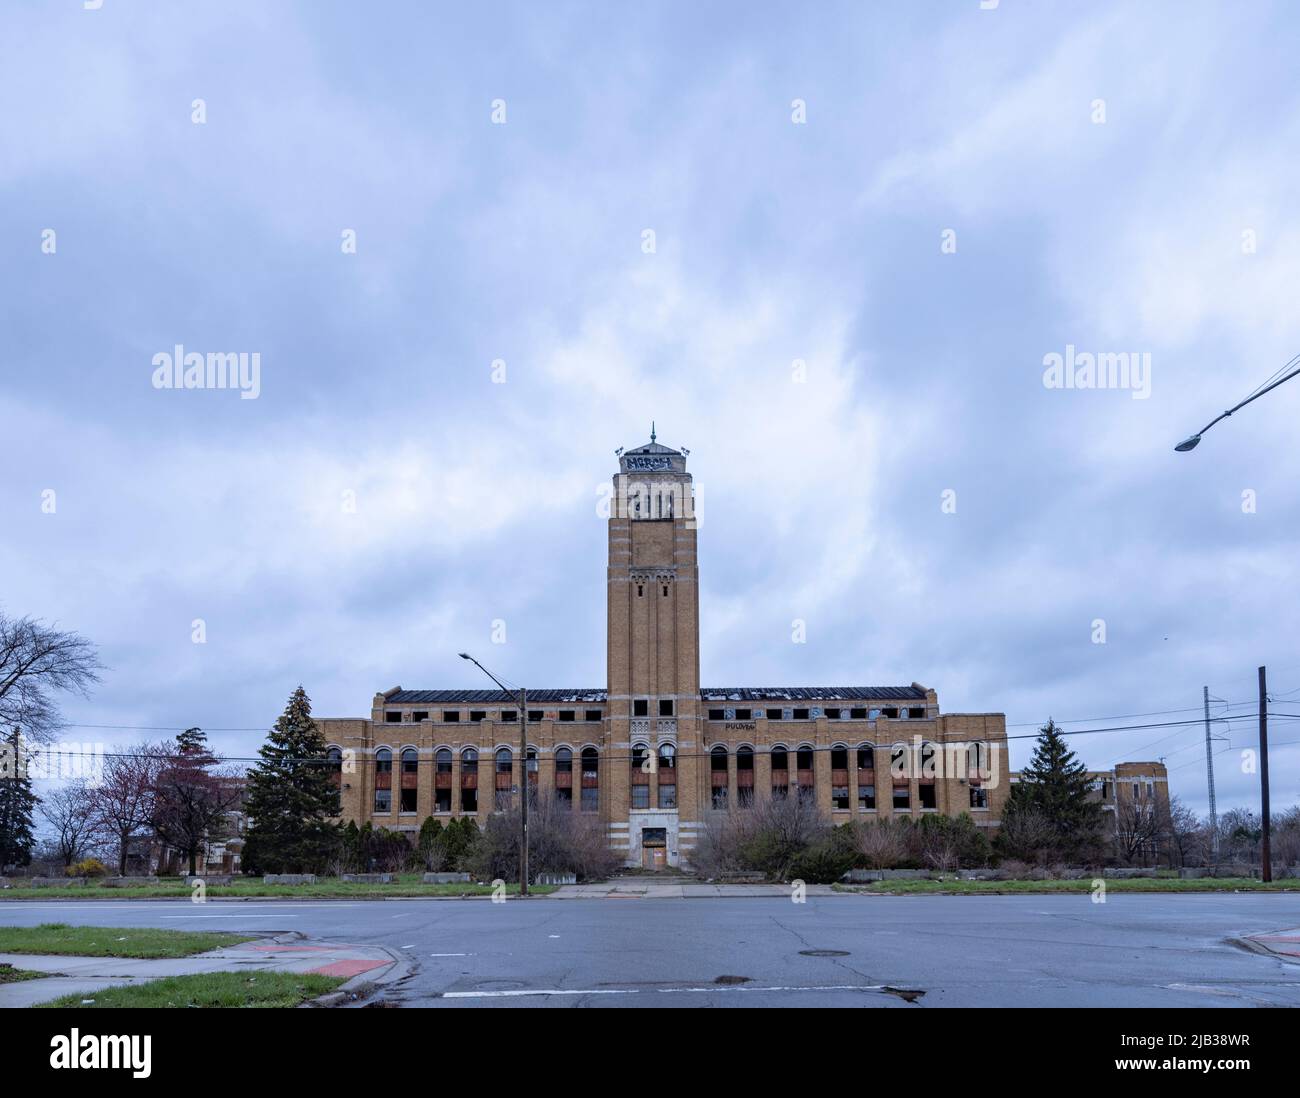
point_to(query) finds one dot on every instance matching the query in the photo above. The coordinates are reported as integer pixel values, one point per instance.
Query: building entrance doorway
(654, 847)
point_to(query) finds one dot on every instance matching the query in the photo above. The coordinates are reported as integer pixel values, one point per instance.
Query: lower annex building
(652, 753)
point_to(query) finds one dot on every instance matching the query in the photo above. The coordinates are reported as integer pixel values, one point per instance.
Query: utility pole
(1209, 775)
(523, 792)
(1267, 873)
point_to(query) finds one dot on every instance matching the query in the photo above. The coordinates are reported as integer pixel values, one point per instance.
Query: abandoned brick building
(652, 753)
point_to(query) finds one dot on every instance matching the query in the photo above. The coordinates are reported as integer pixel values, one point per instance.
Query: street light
(1191, 442)
(523, 769)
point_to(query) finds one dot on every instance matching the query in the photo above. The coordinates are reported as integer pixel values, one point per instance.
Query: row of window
(641, 768)
(860, 713)
(666, 708)
(508, 716)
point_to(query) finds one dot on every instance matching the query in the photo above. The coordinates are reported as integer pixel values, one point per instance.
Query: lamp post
(1190, 442)
(523, 770)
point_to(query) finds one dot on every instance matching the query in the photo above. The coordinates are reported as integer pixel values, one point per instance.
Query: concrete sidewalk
(636, 888)
(284, 953)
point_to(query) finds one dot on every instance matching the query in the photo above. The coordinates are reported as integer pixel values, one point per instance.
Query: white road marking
(267, 916)
(660, 990)
(451, 955)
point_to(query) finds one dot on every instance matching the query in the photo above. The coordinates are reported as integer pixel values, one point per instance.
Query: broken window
(469, 780)
(979, 796)
(804, 765)
(840, 776)
(451, 716)
(393, 716)
(564, 777)
(858, 714)
(665, 707)
(745, 777)
(410, 779)
(641, 707)
(718, 776)
(442, 780)
(593, 714)
(504, 778)
(744, 714)
(866, 778)
(773, 714)
(900, 773)
(891, 712)
(801, 714)
(534, 715)
(640, 773)
(667, 776)
(717, 714)
(927, 789)
(509, 715)
(590, 780)
(567, 715)
(478, 714)
(420, 715)
(780, 771)
(383, 780)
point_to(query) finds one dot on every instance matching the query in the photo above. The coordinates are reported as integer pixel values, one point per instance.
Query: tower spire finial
(652, 430)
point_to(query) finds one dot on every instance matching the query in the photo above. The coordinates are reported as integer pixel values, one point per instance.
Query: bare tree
(881, 843)
(37, 663)
(1182, 834)
(1027, 835)
(124, 798)
(70, 812)
(1137, 831)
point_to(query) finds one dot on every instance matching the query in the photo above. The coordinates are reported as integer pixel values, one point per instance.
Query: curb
(365, 985)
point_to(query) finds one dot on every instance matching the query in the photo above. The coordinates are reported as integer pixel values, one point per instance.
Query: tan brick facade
(863, 752)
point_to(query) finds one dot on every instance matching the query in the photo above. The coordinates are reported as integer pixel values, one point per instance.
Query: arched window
(900, 772)
(866, 778)
(442, 780)
(590, 780)
(383, 780)
(926, 787)
(530, 766)
(334, 766)
(978, 759)
(745, 777)
(640, 776)
(804, 764)
(667, 776)
(505, 761)
(563, 778)
(840, 776)
(469, 780)
(718, 777)
(410, 779)
(780, 771)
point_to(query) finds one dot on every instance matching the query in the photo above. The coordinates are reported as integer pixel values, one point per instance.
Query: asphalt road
(1027, 951)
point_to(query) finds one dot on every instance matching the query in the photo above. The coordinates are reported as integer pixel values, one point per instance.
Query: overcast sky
(1116, 178)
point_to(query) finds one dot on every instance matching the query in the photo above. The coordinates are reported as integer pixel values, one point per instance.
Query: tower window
(640, 590)
(666, 707)
(665, 590)
(641, 707)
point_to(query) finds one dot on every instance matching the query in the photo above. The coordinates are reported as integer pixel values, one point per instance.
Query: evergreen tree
(291, 797)
(430, 846)
(1055, 785)
(17, 805)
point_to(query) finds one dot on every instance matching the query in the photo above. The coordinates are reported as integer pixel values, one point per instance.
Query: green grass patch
(60, 939)
(11, 975)
(209, 989)
(406, 885)
(1133, 884)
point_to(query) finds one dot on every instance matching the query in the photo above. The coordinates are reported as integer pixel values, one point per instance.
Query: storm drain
(823, 953)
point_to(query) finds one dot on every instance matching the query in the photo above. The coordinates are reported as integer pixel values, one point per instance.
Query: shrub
(560, 840)
(88, 867)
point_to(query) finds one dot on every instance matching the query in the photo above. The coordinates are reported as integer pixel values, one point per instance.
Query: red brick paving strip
(349, 968)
